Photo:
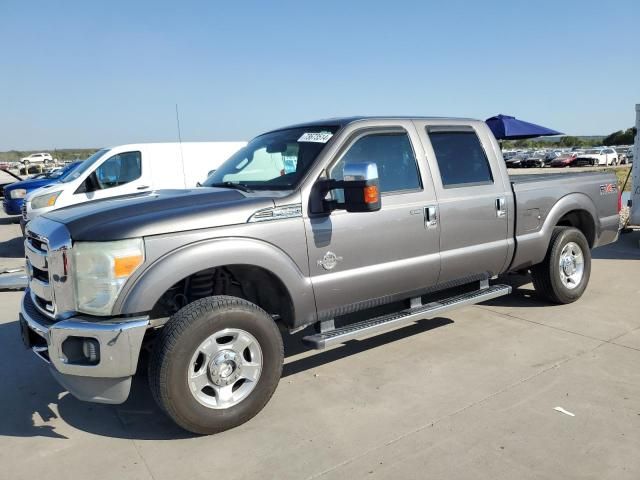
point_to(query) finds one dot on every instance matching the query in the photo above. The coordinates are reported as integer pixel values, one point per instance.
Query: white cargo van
(128, 169)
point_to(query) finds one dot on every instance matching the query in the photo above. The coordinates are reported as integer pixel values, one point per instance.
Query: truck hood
(155, 213)
(31, 184)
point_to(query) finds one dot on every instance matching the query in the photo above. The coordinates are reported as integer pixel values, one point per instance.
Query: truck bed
(592, 195)
(543, 177)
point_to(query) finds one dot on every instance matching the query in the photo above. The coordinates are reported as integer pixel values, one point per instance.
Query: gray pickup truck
(349, 225)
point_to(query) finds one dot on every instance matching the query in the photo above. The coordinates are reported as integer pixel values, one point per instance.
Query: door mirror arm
(361, 190)
(90, 184)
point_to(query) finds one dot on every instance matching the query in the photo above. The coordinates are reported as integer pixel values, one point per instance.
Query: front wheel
(563, 275)
(216, 364)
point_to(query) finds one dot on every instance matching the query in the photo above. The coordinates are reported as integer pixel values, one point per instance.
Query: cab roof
(344, 121)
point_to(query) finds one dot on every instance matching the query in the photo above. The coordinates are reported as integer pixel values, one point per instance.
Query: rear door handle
(501, 207)
(430, 216)
(143, 187)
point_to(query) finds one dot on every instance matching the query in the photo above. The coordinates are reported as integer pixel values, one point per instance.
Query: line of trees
(563, 142)
(621, 137)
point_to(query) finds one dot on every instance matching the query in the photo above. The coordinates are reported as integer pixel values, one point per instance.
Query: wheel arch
(575, 210)
(243, 254)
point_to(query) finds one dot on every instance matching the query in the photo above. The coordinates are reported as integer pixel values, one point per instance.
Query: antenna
(184, 175)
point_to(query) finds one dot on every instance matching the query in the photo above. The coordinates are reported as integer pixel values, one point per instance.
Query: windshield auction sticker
(316, 137)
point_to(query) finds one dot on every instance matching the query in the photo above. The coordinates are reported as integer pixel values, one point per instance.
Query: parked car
(629, 155)
(278, 239)
(7, 178)
(16, 192)
(564, 160)
(550, 156)
(43, 158)
(601, 156)
(622, 154)
(535, 161)
(128, 169)
(514, 162)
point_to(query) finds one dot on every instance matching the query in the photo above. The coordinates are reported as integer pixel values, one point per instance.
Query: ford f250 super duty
(351, 225)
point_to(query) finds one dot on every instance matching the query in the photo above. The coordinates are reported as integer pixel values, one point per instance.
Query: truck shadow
(9, 220)
(522, 295)
(34, 405)
(626, 248)
(294, 345)
(13, 248)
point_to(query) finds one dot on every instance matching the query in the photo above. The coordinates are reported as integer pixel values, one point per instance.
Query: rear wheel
(216, 364)
(564, 274)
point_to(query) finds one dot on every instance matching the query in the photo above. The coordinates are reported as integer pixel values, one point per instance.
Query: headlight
(100, 270)
(18, 193)
(47, 200)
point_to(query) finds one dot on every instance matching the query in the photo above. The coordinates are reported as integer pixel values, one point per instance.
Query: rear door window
(461, 159)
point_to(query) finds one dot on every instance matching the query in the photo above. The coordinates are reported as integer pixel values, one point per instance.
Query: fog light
(91, 350)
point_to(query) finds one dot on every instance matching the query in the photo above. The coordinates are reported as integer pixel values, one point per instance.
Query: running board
(386, 322)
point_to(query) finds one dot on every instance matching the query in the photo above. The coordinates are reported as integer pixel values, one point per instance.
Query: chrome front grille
(37, 251)
(47, 247)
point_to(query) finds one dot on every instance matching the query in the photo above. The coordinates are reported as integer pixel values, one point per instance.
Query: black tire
(546, 275)
(180, 338)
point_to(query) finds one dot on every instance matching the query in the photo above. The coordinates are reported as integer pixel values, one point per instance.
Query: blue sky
(84, 74)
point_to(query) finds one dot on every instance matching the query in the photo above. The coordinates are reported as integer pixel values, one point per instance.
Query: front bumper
(119, 340)
(12, 206)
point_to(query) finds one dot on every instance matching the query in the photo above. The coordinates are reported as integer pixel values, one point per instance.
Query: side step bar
(385, 322)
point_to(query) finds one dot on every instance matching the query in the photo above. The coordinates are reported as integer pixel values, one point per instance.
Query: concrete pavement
(469, 395)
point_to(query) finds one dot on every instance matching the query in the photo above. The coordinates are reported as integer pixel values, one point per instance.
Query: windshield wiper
(237, 186)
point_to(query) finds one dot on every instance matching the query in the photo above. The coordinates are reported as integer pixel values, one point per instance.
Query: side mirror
(89, 185)
(361, 187)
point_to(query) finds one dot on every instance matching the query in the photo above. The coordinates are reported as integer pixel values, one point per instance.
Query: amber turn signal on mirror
(371, 194)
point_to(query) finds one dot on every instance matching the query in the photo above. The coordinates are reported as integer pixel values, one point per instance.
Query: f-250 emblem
(329, 261)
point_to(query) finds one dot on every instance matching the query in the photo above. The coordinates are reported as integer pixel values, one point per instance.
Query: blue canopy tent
(505, 127)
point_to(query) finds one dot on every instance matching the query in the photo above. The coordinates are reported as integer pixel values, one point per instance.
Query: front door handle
(430, 216)
(143, 187)
(501, 207)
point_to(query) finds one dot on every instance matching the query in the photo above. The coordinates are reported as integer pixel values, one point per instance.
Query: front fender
(142, 292)
(531, 248)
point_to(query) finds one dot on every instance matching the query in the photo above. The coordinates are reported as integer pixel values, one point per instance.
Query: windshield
(274, 161)
(68, 170)
(83, 167)
(61, 172)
